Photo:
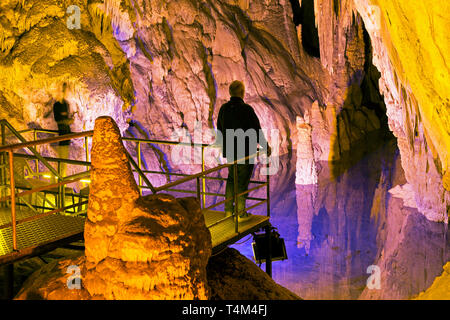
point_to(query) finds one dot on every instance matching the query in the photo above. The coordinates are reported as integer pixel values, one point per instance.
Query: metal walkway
(36, 236)
(29, 227)
(224, 234)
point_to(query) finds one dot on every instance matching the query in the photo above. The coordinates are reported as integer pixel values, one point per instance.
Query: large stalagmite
(306, 172)
(154, 247)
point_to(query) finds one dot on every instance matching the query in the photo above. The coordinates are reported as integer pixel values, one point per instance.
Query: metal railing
(62, 181)
(143, 182)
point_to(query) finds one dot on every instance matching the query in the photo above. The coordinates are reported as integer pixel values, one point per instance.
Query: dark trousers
(244, 174)
(62, 130)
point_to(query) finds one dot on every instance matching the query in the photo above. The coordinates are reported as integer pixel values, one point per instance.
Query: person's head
(237, 89)
(61, 95)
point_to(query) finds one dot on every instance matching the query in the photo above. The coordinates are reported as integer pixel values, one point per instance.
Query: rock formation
(359, 67)
(150, 247)
(306, 167)
(231, 276)
(417, 98)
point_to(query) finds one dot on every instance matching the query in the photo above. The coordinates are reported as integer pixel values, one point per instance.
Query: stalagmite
(306, 182)
(155, 241)
(306, 168)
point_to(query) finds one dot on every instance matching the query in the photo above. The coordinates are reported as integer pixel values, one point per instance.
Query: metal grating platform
(43, 231)
(223, 233)
(37, 232)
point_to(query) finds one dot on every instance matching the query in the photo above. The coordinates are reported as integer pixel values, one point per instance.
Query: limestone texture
(408, 42)
(51, 281)
(231, 276)
(158, 67)
(152, 247)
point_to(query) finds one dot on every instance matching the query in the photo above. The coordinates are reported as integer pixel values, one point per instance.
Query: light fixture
(260, 247)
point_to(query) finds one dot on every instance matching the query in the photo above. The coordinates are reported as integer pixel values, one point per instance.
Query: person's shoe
(244, 217)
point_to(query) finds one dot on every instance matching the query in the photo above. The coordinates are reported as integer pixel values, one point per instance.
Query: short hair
(237, 89)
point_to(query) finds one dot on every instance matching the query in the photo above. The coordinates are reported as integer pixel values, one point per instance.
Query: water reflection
(347, 222)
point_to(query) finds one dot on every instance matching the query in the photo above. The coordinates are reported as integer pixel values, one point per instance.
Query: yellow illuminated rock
(152, 247)
(409, 49)
(440, 289)
(418, 41)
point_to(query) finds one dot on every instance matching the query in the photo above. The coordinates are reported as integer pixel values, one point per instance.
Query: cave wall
(407, 50)
(39, 52)
(159, 66)
(408, 43)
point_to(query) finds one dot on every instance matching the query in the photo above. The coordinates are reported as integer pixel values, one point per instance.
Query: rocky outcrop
(51, 282)
(231, 276)
(39, 52)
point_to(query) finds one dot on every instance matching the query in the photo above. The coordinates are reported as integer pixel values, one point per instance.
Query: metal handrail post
(36, 162)
(140, 166)
(268, 191)
(235, 198)
(203, 178)
(3, 161)
(86, 150)
(61, 188)
(198, 193)
(269, 251)
(13, 198)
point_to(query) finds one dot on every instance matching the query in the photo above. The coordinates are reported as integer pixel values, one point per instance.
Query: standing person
(237, 144)
(63, 120)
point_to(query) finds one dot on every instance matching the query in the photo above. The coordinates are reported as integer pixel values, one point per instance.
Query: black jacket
(61, 111)
(236, 114)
